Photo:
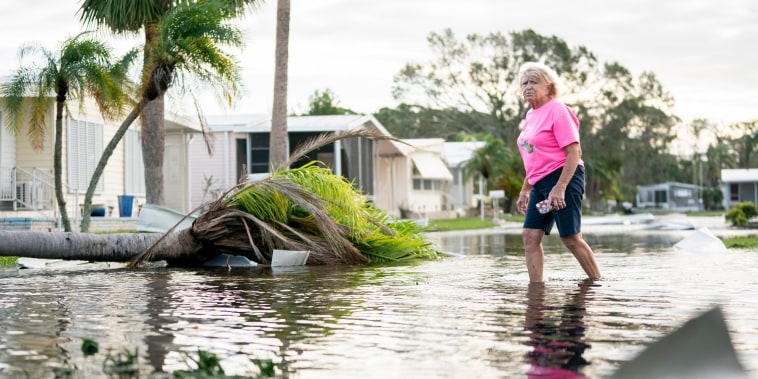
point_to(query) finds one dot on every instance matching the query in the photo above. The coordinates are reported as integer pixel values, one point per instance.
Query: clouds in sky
(703, 51)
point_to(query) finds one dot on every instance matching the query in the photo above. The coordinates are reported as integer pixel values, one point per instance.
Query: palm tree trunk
(279, 137)
(109, 149)
(96, 247)
(153, 139)
(153, 122)
(58, 165)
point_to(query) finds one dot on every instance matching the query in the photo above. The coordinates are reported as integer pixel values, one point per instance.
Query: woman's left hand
(557, 197)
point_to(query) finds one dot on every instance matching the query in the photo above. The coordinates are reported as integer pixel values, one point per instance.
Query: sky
(704, 52)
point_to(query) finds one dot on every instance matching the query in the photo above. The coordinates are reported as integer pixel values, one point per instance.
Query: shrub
(741, 213)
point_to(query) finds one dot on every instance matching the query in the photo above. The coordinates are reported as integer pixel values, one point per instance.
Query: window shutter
(85, 146)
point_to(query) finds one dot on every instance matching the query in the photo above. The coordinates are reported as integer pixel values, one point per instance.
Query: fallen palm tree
(306, 208)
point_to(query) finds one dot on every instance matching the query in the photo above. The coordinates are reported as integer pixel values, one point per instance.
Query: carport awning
(431, 167)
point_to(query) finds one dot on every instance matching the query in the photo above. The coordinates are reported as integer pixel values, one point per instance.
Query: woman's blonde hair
(543, 72)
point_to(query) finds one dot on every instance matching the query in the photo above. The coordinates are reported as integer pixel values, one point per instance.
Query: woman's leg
(535, 256)
(583, 253)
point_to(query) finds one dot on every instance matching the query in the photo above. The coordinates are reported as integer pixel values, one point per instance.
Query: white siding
(211, 174)
(392, 184)
(7, 145)
(175, 173)
(134, 166)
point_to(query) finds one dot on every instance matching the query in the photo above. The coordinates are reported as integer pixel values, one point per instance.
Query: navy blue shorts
(569, 219)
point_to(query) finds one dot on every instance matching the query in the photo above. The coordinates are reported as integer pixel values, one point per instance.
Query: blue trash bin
(125, 203)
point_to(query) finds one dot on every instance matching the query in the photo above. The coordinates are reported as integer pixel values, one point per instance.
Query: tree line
(470, 90)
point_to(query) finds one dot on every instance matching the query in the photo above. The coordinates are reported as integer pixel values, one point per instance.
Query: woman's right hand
(522, 202)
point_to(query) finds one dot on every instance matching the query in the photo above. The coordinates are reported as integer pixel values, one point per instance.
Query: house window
(426, 185)
(661, 197)
(683, 193)
(85, 146)
(259, 152)
(134, 167)
(734, 192)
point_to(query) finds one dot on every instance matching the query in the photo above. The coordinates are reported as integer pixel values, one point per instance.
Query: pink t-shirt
(547, 130)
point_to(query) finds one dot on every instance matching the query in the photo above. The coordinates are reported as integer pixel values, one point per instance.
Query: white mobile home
(673, 196)
(739, 185)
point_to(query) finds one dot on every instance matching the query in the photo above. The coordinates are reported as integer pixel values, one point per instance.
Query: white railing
(28, 190)
(7, 184)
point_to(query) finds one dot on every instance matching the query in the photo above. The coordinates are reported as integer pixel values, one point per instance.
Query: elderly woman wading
(549, 146)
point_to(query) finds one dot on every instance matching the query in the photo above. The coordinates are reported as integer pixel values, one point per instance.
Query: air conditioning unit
(24, 194)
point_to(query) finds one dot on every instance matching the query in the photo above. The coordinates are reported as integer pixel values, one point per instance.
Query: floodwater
(472, 316)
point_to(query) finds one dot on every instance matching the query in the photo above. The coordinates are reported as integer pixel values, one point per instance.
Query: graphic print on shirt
(529, 148)
(525, 134)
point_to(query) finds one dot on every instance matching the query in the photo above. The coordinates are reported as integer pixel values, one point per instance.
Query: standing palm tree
(82, 67)
(279, 137)
(187, 47)
(165, 56)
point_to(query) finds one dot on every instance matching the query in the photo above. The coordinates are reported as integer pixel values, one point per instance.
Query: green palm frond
(334, 201)
(264, 202)
(404, 243)
(341, 201)
(193, 41)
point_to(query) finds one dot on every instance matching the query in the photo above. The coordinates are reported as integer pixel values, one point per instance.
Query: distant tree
(697, 127)
(745, 143)
(324, 103)
(718, 156)
(627, 127)
(414, 121)
(81, 68)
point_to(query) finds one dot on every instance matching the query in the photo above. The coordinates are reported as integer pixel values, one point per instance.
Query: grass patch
(749, 242)
(464, 223)
(8, 261)
(118, 231)
(705, 214)
(515, 218)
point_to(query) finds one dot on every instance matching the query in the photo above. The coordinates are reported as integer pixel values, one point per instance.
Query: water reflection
(556, 334)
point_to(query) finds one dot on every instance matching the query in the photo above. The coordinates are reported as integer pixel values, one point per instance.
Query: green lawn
(747, 243)
(8, 261)
(465, 223)
(705, 214)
